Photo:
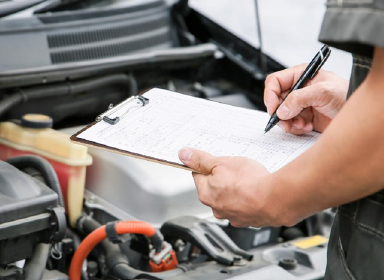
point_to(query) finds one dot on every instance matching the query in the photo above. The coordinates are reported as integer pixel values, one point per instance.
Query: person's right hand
(309, 108)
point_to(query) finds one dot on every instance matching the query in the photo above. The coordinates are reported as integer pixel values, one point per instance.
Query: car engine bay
(69, 212)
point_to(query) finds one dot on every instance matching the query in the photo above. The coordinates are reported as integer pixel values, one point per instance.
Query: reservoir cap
(36, 121)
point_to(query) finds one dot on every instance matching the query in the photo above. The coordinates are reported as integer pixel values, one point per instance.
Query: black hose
(44, 167)
(76, 242)
(133, 88)
(68, 88)
(124, 271)
(117, 262)
(35, 266)
(10, 102)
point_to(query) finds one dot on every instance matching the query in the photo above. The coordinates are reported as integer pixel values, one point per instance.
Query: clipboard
(132, 128)
(142, 101)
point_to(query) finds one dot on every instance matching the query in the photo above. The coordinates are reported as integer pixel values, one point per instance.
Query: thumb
(295, 102)
(197, 160)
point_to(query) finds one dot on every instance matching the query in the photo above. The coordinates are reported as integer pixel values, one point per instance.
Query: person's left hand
(232, 187)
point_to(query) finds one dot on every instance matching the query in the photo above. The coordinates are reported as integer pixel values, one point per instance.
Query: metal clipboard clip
(140, 100)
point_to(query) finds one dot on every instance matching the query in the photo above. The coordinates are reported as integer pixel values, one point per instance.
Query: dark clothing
(355, 26)
(360, 69)
(356, 245)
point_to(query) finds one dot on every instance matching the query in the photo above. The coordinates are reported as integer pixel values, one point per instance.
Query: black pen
(309, 72)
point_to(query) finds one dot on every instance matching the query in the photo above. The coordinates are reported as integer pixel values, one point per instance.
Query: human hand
(309, 108)
(232, 187)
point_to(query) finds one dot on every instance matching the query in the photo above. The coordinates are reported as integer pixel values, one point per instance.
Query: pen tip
(268, 128)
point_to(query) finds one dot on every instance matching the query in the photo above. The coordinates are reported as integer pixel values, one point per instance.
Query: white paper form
(171, 121)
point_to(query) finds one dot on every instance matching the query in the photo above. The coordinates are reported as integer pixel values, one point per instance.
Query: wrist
(273, 202)
(283, 202)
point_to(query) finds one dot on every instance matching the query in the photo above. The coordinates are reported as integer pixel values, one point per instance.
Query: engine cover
(27, 214)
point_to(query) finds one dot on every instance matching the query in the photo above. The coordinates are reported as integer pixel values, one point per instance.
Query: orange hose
(100, 234)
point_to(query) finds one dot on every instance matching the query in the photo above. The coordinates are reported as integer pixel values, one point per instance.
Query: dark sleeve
(355, 26)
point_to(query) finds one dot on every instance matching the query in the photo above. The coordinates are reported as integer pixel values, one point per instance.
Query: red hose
(100, 234)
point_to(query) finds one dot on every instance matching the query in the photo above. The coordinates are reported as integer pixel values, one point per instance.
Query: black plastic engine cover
(21, 196)
(26, 214)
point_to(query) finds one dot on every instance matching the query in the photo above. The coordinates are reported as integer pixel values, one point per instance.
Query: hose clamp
(112, 235)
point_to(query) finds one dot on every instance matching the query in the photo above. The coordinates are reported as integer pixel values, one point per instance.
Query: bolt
(288, 263)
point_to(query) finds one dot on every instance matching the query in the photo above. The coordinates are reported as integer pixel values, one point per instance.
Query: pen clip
(324, 58)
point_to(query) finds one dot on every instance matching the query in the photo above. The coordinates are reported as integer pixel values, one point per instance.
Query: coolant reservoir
(34, 136)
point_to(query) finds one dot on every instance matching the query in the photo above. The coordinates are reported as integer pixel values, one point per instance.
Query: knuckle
(197, 158)
(288, 223)
(285, 220)
(198, 164)
(298, 99)
(266, 98)
(269, 78)
(294, 97)
(327, 89)
(218, 215)
(235, 223)
(205, 197)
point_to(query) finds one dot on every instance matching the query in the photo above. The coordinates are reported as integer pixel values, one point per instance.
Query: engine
(71, 213)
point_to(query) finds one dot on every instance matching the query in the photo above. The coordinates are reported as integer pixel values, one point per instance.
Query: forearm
(347, 161)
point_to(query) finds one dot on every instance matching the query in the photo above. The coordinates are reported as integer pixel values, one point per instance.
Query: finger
(285, 125)
(200, 180)
(197, 160)
(298, 122)
(307, 128)
(237, 223)
(218, 214)
(202, 187)
(298, 100)
(273, 101)
(278, 84)
(289, 127)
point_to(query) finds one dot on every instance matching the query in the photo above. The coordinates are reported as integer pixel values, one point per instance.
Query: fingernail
(185, 154)
(308, 127)
(281, 126)
(283, 112)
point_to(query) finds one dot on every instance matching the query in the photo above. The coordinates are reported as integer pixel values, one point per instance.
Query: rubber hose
(132, 85)
(9, 102)
(100, 234)
(44, 167)
(118, 265)
(89, 224)
(117, 262)
(35, 266)
(69, 88)
(76, 243)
